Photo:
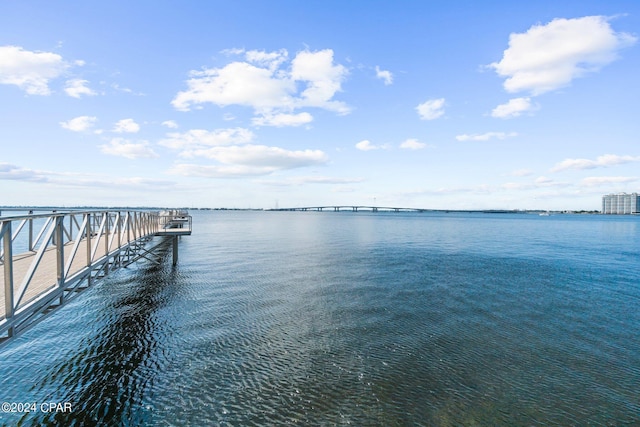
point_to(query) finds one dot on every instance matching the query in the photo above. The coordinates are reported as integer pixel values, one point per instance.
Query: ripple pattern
(359, 319)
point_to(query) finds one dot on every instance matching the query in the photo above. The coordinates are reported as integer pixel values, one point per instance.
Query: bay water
(345, 318)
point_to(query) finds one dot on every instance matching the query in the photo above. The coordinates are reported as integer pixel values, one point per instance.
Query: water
(346, 318)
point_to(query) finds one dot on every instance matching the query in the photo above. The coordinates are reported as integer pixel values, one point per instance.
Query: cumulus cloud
(249, 160)
(486, 136)
(78, 87)
(126, 126)
(271, 60)
(601, 161)
(281, 120)
(79, 124)
(513, 108)
(386, 76)
(263, 156)
(30, 71)
(431, 109)
(171, 124)
(548, 57)
(231, 148)
(594, 181)
(130, 150)
(366, 145)
(412, 144)
(264, 84)
(201, 138)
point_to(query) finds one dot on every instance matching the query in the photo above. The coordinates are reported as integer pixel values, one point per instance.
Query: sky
(282, 103)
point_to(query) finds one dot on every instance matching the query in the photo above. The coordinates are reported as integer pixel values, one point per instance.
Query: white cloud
(249, 160)
(548, 57)
(365, 145)
(601, 161)
(216, 171)
(513, 108)
(265, 85)
(238, 83)
(412, 144)
(431, 109)
(126, 126)
(30, 71)
(15, 173)
(281, 120)
(263, 156)
(543, 180)
(72, 179)
(323, 79)
(486, 136)
(171, 124)
(130, 150)
(78, 87)
(386, 76)
(79, 124)
(594, 181)
(200, 138)
(271, 60)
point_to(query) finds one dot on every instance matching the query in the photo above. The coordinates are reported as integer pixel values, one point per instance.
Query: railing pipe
(5, 233)
(59, 234)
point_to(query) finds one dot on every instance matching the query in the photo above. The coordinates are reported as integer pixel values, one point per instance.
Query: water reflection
(107, 379)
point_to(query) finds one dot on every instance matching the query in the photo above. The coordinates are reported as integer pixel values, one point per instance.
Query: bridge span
(352, 208)
(47, 259)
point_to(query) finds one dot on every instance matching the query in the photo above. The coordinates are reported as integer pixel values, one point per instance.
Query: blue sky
(252, 104)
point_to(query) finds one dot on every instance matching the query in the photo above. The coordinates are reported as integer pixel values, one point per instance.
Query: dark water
(361, 319)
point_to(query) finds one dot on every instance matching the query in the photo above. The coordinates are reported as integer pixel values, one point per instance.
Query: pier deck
(68, 253)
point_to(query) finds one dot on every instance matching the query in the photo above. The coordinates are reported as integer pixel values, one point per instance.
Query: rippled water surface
(328, 318)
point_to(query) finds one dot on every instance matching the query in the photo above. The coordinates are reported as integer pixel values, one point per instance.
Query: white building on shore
(621, 204)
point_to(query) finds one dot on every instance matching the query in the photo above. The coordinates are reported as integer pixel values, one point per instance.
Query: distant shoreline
(343, 208)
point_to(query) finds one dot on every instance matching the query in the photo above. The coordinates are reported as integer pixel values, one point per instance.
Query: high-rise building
(621, 204)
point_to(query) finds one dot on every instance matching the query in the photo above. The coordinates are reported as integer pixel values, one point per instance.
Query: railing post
(106, 233)
(31, 232)
(128, 226)
(106, 239)
(87, 235)
(119, 229)
(59, 242)
(5, 231)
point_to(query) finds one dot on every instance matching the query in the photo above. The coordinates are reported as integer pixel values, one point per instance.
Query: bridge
(352, 208)
(49, 258)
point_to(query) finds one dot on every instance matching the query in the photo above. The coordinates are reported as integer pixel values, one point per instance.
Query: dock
(48, 259)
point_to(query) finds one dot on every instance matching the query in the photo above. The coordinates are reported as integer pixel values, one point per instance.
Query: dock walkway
(68, 252)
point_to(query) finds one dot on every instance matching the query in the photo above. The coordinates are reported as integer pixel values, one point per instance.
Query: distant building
(621, 204)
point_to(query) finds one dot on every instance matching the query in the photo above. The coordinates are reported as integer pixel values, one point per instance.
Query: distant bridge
(353, 208)
(47, 259)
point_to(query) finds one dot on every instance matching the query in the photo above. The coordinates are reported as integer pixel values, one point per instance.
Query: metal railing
(47, 258)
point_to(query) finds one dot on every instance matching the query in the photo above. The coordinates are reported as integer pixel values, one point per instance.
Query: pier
(49, 258)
